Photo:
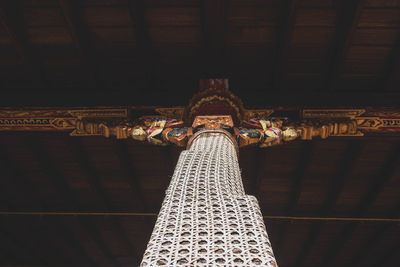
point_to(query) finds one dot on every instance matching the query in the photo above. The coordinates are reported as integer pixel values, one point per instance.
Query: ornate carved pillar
(206, 218)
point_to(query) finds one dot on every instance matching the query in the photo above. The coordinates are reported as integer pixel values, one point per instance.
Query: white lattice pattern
(206, 219)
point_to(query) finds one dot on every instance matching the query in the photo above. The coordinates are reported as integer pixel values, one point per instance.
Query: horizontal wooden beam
(54, 97)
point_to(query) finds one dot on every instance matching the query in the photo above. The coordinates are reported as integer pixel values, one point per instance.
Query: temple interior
(89, 200)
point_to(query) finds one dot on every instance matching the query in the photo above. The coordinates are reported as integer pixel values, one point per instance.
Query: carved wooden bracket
(214, 107)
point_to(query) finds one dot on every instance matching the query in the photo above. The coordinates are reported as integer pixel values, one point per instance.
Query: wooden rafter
(258, 164)
(298, 177)
(62, 186)
(94, 182)
(10, 169)
(144, 54)
(61, 229)
(392, 71)
(214, 21)
(91, 176)
(80, 36)
(32, 192)
(11, 18)
(369, 244)
(346, 26)
(13, 243)
(365, 203)
(389, 255)
(89, 227)
(285, 31)
(343, 171)
(129, 173)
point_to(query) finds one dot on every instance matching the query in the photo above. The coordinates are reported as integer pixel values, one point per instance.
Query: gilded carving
(99, 113)
(175, 113)
(376, 123)
(213, 122)
(332, 113)
(313, 128)
(63, 123)
(257, 113)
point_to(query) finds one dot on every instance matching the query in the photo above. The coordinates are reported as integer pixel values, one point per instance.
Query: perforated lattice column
(206, 219)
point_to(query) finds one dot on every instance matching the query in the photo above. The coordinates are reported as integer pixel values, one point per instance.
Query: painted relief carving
(214, 107)
(332, 113)
(175, 113)
(376, 123)
(53, 119)
(213, 122)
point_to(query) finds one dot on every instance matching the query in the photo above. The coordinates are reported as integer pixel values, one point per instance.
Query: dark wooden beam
(370, 243)
(298, 177)
(83, 43)
(349, 14)
(60, 229)
(380, 179)
(390, 79)
(82, 157)
(301, 98)
(389, 255)
(350, 157)
(46, 163)
(367, 246)
(12, 19)
(49, 168)
(12, 170)
(31, 190)
(19, 249)
(128, 171)
(94, 182)
(260, 155)
(89, 226)
(214, 22)
(288, 10)
(144, 50)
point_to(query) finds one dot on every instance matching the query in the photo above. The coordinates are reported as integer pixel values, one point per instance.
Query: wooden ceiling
(154, 52)
(97, 52)
(53, 172)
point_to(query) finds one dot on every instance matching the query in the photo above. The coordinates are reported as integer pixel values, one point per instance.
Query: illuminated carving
(332, 113)
(213, 122)
(175, 113)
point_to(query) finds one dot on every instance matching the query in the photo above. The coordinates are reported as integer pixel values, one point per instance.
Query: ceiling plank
(379, 181)
(260, 155)
(80, 35)
(369, 244)
(48, 166)
(389, 255)
(144, 50)
(28, 253)
(129, 172)
(82, 157)
(60, 229)
(286, 26)
(298, 177)
(391, 75)
(350, 157)
(30, 190)
(93, 180)
(11, 18)
(89, 226)
(349, 14)
(214, 22)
